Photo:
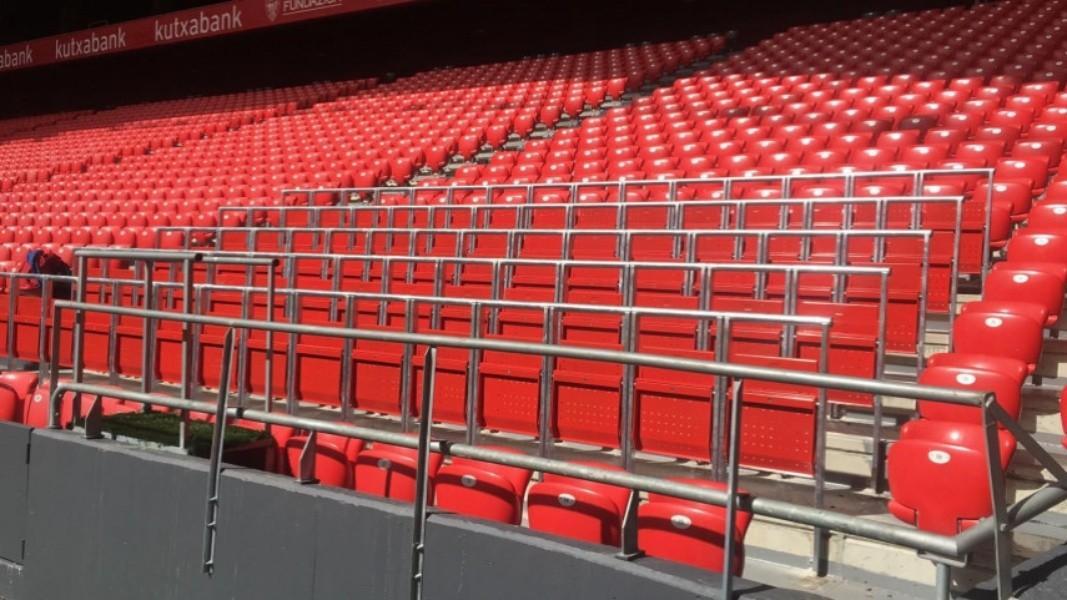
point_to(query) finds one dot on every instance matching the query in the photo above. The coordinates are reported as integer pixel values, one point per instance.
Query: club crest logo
(272, 9)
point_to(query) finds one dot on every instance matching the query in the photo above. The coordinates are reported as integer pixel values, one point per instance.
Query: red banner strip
(214, 20)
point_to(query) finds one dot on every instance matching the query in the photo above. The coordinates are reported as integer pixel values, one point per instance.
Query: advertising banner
(213, 20)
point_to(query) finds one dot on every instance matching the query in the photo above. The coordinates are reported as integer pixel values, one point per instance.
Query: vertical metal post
(628, 397)
(406, 385)
(474, 357)
(194, 367)
(703, 336)
(628, 547)
(422, 475)
(545, 388)
(187, 350)
(54, 415)
(292, 340)
(763, 243)
(347, 398)
(850, 185)
(1001, 519)
(268, 353)
(840, 259)
(53, 369)
(943, 584)
(957, 233)
(112, 332)
(12, 308)
(42, 332)
(792, 291)
(218, 433)
(147, 354)
(820, 545)
(988, 224)
(731, 491)
(924, 287)
(883, 319)
(718, 401)
(881, 209)
(243, 350)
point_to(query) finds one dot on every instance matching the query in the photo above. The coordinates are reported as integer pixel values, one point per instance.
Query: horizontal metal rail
(481, 215)
(732, 213)
(794, 513)
(838, 382)
(940, 545)
(550, 313)
(698, 271)
(849, 178)
(672, 186)
(463, 242)
(503, 268)
(932, 544)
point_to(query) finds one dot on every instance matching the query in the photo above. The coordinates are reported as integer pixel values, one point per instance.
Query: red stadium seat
(1008, 284)
(1035, 311)
(483, 490)
(15, 389)
(1003, 385)
(938, 475)
(1010, 367)
(1047, 218)
(389, 471)
(577, 508)
(1020, 335)
(1014, 195)
(334, 456)
(1063, 415)
(1049, 250)
(690, 532)
(1033, 170)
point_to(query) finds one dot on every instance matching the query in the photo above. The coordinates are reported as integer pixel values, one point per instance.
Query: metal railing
(332, 268)
(695, 283)
(943, 550)
(145, 262)
(684, 245)
(703, 189)
(731, 215)
(704, 214)
(697, 273)
(551, 312)
(725, 214)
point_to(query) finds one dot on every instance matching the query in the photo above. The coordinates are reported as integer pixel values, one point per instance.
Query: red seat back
(938, 475)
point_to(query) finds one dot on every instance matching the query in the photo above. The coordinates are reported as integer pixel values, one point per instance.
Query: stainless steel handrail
(939, 548)
(849, 179)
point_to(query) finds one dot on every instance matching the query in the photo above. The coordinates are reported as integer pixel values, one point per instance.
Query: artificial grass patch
(162, 428)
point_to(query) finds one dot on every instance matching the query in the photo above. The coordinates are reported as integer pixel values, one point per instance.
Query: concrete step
(892, 570)
(1053, 363)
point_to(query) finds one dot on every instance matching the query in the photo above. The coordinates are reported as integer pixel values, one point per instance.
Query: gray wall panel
(14, 473)
(111, 522)
(11, 581)
(478, 560)
(114, 521)
(279, 537)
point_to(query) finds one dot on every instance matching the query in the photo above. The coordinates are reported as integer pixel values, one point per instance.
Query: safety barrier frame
(942, 550)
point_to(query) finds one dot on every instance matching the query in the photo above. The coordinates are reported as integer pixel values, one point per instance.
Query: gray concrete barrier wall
(14, 473)
(477, 559)
(14, 481)
(110, 521)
